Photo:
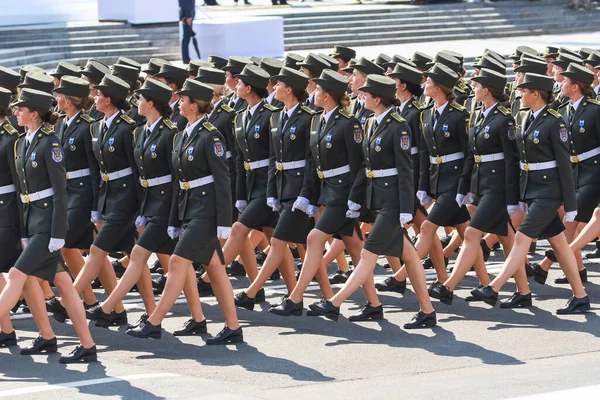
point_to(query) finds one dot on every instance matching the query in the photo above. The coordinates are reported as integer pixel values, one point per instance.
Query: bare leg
(513, 262)
(238, 243)
(5, 322)
(190, 290)
(75, 263)
(74, 307)
(281, 256)
(223, 291)
(589, 233)
(35, 300)
(178, 270)
(314, 260)
(567, 261)
(470, 251)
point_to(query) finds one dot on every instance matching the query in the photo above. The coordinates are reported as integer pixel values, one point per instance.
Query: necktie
(358, 108)
(375, 126)
(436, 117)
(284, 120)
(144, 136)
(571, 114)
(248, 118)
(322, 126)
(530, 120)
(26, 146)
(479, 118)
(185, 138)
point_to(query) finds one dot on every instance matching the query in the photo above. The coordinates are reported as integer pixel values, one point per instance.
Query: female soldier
(335, 141)
(288, 180)
(491, 176)
(93, 72)
(43, 192)
(546, 183)
(174, 77)
(234, 66)
(389, 187)
(202, 207)
(152, 153)
(313, 65)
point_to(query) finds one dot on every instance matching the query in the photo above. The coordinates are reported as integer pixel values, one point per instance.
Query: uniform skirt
(542, 220)
(588, 197)
(387, 235)
(36, 260)
(491, 215)
(81, 230)
(445, 211)
(258, 214)
(293, 226)
(419, 207)
(10, 247)
(199, 241)
(155, 237)
(333, 221)
(117, 233)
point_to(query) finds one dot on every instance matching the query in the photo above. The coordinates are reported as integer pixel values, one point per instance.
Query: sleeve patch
(358, 136)
(405, 141)
(219, 149)
(57, 154)
(511, 132)
(564, 135)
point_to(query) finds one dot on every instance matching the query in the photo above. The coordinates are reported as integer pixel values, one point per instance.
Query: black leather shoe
(261, 256)
(140, 321)
(434, 284)
(8, 339)
(145, 331)
(532, 248)
(227, 336)
(422, 320)
(116, 319)
(191, 328)
(428, 264)
(96, 314)
(243, 300)
(539, 275)
(551, 255)
(442, 293)
(58, 311)
(529, 270)
(339, 277)
(285, 296)
(17, 305)
(260, 296)
(154, 268)
(445, 241)
(96, 284)
(575, 306)
(159, 283)
(485, 248)
(118, 267)
(485, 294)
(368, 313)
(391, 284)
(470, 297)
(596, 253)
(387, 266)
(39, 346)
(295, 253)
(517, 300)
(326, 309)
(276, 275)
(89, 306)
(288, 307)
(235, 269)
(80, 355)
(563, 279)
(204, 288)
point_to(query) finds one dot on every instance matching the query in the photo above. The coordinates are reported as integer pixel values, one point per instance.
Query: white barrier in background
(47, 11)
(138, 11)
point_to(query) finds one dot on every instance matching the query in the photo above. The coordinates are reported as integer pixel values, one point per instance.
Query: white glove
(570, 216)
(352, 214)
(96, 217)
(312, 211)
(424, 198)
(24, 242)
(468, 199)
(174, 232)
(274, 203)
(512, 210)
(140, 222)
(460, 198)
(523, 206)
(223, 232)
(241, 205)
(55, 244)
(353, 206)
(302, 204)
(405, 218)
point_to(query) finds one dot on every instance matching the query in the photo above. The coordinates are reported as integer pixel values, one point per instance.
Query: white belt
(445, 159)
(290, 165)
(330, 173)
(250, 166)
(111, 176)
(228, 154)
(42, 194)
(7, 189)
(381, 173)
(537, 166)
(161, 180)
(489, 157)
(196, 182)
(78, 173)
(585, 155)
(414, 150)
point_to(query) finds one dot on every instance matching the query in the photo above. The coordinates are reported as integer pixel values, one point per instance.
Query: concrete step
(36, 36)
(89, 47)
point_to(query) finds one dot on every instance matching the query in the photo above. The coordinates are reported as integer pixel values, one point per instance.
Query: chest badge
(34, 163)
(486, 135)
(111, 141)
(581, 126)
(328, 140)
(363, 120)
(153, 151)
(445, 129)
(293, 132)
(71, 145)
(190, 154)
(256, 131)
(377, 144)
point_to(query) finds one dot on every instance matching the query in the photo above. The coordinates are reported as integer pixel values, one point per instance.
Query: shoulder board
(134, 101)
(226, 108)
(170, 124)
(593, 101)
(127, 119)
(418, 105)
(87, 118)
(503, 110)
(10, 129)
(554, 113)
(46, 131)
(397, 117)
(308, 110)
(270, 107)
(462, 85)
(345, 113)
(457, 106)
(210, 127)
(459, 89)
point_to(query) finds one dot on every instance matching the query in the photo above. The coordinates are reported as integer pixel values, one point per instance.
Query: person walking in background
(187, 11)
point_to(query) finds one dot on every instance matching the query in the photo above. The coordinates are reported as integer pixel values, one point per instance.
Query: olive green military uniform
(179, 120)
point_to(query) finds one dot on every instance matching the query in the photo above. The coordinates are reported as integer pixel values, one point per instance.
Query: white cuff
(223, 232)
(353, 206)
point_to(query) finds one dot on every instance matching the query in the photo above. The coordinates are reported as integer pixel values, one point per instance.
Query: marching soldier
(10, 79)
(94, 72)
(234, 66)
(343, 55)
(292, 59)
(153, 67)
(130, 75)
(312, 66)
(174, 77)
(272, 66)
(362, 68)
(560, 65)
(527, 65)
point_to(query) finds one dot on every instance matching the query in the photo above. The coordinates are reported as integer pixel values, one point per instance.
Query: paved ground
(475, 351)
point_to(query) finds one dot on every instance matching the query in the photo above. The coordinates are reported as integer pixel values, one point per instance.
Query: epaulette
(46, 131)
(503, 110)
(593, 101)
(210, 127)
(554, 113)
(345, 113)
(308, 110)
(397, 117)
(459, 89)
(226, 108)
(175, 138)
(134, 101)
(457, 106)
(170, 124)
(417, 104)
(87, 118)
(10, 129)
(127, 119)
(270, 107)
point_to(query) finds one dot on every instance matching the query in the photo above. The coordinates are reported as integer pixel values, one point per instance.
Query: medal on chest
(256, 131)
(363, 120)
(34, 163)
(377, 144)
(153, 150)
(328, 140)
(111, 141)
(293, 132)
(486, 135)
(535, 137)
(581, 126)
(445, 129)
(71, 145)
(190, 152)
